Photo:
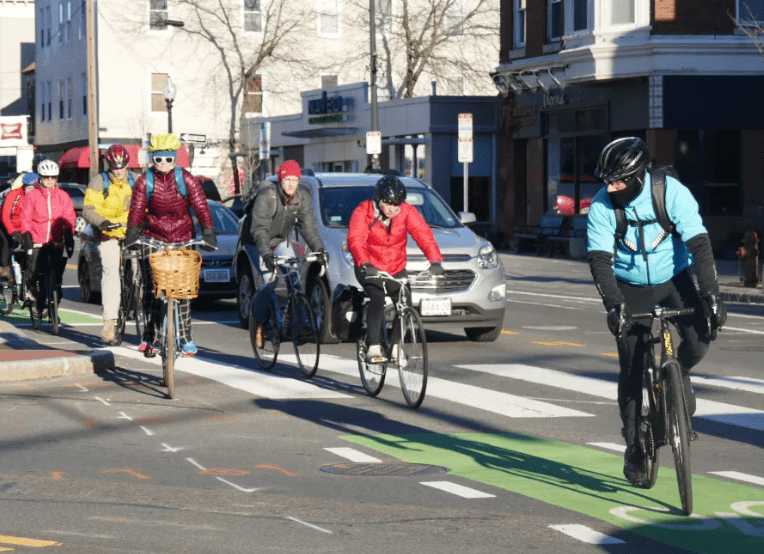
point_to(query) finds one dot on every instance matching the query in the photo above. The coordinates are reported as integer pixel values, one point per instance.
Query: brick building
(681, 74)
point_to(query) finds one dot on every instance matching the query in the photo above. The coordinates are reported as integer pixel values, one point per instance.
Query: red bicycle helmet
(117, 156)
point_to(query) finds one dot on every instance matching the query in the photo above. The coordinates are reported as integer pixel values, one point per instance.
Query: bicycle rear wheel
(372, 375)
(168, 349)
(411, 358)
(7, 296)
(137, 306)
(305, 335)
(50, 285)
(267, 355)
(679, 434)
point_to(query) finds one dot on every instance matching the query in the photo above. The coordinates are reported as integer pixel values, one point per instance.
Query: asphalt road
(519, 440)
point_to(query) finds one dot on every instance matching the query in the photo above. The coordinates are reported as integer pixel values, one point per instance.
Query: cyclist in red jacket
(377, 238)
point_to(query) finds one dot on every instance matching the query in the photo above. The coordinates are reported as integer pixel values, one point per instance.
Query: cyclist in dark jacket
(650, 267)
(277, 208)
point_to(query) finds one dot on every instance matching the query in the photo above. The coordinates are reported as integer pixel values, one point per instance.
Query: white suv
(470, 295)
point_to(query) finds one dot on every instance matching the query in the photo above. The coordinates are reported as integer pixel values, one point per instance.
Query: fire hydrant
(748, 256)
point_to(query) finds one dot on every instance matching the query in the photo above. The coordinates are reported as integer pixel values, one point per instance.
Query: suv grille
(446, 258)
(451, 281)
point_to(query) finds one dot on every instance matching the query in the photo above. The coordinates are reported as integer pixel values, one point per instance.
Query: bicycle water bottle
(17, 271)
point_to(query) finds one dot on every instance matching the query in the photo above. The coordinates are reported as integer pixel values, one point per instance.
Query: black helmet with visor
(389, 189)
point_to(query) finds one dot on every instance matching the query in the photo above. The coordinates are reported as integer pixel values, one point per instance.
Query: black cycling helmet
(389, 189)
(622, 159)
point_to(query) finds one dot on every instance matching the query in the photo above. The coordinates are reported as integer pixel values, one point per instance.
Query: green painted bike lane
(20, 317)
(728, 517)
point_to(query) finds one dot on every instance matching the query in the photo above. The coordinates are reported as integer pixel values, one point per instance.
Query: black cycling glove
(131, 237)
(69, 243)
(105, 225)
(210, 241)
(268, 262)
(436, 268)
(369, 270)
(715, 309)
(16, 240)
(618, 319)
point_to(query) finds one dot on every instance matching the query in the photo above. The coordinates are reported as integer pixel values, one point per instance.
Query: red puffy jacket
(370, 241)
(166, 214)
(12, 210)
(47, 213)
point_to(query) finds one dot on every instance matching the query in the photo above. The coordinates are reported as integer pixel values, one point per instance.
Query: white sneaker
(374, 354)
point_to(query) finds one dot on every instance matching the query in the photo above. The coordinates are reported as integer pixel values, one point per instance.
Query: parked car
(235, 204)
(473, 289)
(77, 194)
(564, 205)
(217, 277)
(209, 187)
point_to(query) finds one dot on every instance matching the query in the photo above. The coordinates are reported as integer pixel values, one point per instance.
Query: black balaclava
(634, 186)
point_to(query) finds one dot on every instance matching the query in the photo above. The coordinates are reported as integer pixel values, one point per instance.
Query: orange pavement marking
(281, 469)
(17, 422)
(222, 418)
(89, 422)
(128, 471)
(223, 471)
(58, 475)
(21, 541)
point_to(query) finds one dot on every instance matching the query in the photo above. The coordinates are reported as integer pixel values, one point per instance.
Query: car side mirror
(467, 218)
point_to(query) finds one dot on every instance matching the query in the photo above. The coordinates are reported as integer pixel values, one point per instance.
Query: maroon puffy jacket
(370, 241)
(166, 215)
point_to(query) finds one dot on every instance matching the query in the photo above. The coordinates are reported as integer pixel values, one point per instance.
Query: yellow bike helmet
(166, 141)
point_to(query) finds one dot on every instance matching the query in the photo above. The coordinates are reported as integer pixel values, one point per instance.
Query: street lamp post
(373, 52)
(169, 90)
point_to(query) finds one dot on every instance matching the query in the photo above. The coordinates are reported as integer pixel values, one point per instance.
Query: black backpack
(658, 180)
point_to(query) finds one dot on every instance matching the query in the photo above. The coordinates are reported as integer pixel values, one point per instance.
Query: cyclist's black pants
(633, 353)
(38, 265)
(5, 249)
(376, 294)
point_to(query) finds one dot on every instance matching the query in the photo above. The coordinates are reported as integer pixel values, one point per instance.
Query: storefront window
(722, 154)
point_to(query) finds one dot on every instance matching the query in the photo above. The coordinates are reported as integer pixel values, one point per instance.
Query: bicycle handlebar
(660, 312)
(406, 280)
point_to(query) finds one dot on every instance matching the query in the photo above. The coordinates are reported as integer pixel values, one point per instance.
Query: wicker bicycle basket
(176, 273)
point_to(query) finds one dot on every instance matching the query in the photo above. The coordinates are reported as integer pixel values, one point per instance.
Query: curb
(742, 297)
(97, 361)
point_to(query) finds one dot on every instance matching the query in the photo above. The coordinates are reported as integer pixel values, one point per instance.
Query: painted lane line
(83, 389)
(102, 400)
(237, 487)
(747, 384)
(353, 455)
(309, 525)
(146, 430)
(721, 412)
(248, 379)
(585, 534)
(609, 446)
(197, 464)
(489, 400)
(168, 448)
(458, 490)
(740, 477)
(560, 296)
(123, 415)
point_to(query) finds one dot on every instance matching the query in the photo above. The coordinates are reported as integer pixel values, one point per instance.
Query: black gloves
(369, 270)
(268, 262)
(436, 268)
(16, 240)
(324, 254)
(618, 319)
(26, 241)
(105, 225)
(715, 309)
(210, 241)
(69, 243)
(132, 236)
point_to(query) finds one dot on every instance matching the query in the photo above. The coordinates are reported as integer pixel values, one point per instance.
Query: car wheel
(318, 295)
(483, 334)
(86, 291)
(245, 290)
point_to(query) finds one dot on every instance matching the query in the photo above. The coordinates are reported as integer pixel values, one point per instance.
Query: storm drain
(384, 469)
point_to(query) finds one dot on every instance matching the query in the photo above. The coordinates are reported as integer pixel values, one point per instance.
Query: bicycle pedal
(693, 435)
(150, 353)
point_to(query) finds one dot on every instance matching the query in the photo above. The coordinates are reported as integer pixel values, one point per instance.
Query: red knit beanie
(289, 168)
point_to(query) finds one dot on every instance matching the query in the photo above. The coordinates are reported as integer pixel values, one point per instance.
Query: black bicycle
(665, 417)
(406, 348)
(131, 299)
(49, 289)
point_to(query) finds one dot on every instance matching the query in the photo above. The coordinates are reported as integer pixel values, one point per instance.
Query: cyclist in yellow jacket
(107, 202)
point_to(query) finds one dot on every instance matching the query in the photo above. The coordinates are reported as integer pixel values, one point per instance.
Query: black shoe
(689, 395)
(634, 465)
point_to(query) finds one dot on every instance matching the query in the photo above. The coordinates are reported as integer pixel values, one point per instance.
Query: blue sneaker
(189, 349)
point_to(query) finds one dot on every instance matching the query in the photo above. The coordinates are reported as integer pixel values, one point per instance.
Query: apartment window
(253, 94)
(69, 98)
(750, 12)
(84, 88)
(252, 16)
(328, 17)
(61, 97)
(61, 22)
(384, 12)
(623, 12)
(83, 20)
(328, 81)
(580, 15)
(520, 22)
(455, 17)
(48, 25)
(554, 21)
(41, 20)
(158, 81)
(49, 99)
(68, 26)
(158, 15)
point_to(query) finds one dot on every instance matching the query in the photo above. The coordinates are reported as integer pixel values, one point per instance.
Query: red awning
(80, 157)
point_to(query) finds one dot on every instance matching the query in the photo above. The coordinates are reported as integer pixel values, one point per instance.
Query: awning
(79, 157)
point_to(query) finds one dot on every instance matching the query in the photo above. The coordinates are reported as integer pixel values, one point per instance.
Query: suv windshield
(338, 203)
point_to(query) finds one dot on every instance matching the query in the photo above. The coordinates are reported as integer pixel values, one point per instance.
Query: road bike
(13, 290)
(406, 347)
(665, 418)
(49, 287)
(170, 292)
(290, 320)
(131, 296)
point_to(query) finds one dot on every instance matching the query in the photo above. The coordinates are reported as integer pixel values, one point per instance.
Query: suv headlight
(487, 257)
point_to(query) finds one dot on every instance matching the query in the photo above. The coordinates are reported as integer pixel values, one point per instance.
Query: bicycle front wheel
(305, 335)
(679, 434)
(411, 357)
(8, 296)
(168, 349)
(137, 306)
(266, 356)
(50, 285)
(372, 375)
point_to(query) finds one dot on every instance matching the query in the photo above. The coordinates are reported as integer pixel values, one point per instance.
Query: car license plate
(216, 275)
(435, 306)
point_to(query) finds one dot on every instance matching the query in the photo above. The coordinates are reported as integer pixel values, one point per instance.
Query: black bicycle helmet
(389, 189)
(622, 159)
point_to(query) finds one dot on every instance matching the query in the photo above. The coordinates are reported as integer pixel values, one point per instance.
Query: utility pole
(92, 74)
(373, 52)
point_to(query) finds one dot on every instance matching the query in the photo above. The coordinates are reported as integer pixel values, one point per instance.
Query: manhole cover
(385, 469)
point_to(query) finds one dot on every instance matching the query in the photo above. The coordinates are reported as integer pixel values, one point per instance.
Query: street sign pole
(465, 154)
